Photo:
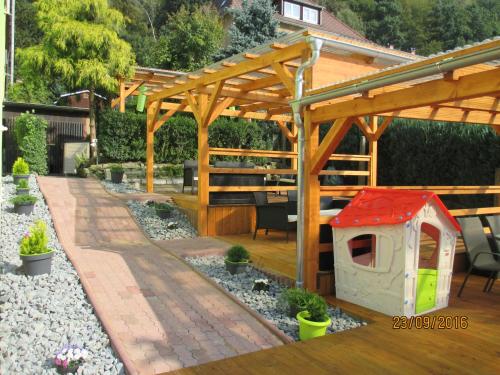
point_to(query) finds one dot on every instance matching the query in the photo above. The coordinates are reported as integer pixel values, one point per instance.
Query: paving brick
(162, 315)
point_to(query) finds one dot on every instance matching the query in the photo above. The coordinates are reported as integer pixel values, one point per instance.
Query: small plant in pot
(20, 170)
(294, 300)
(33, 250)
(313, 321)
(163, 210)
(237, 259)
(23, 204)
(116, 173)
(22, 187)
(69, 358)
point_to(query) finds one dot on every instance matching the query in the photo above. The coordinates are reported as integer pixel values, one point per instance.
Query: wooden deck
(380, 349)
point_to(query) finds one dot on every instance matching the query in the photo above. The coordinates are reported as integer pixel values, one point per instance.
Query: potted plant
(294, 300)
(69, 358)
(33, 250)
(23, 204)
(20, 170)
(236, 260)
(163, 210)
(81, 164)
(22, 187)
(314, 320)
(116, 173)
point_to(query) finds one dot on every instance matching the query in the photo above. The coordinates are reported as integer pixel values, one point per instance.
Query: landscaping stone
(177, 226)
(265, 303)
(38, 315)
(122, 188)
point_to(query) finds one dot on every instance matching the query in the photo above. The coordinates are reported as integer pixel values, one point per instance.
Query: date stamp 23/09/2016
(430, 322)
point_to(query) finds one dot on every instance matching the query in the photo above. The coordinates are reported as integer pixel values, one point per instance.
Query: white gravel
(265, 303)
(38, 315)
(123, 188)
(175, 227)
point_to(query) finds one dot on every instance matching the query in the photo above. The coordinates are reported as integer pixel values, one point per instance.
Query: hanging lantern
(141, 99)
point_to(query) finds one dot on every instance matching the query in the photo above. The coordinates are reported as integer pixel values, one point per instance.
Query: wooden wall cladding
(225, 220)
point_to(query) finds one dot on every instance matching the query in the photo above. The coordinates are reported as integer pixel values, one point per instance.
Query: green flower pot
(236, 267)
(308, 329)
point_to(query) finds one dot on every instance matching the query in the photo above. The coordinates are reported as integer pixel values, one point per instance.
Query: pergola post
(373, 151)
(122, 95)
(152, 112)
(311, 204)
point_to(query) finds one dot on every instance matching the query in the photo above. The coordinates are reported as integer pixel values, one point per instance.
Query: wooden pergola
(259, 84)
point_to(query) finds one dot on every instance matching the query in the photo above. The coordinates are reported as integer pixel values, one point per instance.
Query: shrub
(317, 309)
(163, 206)
(30, 133)
(175, 170)
(294, 299)
(177, 140)
(22, 184)
(20, 167)
(35, 241)
(237, 254)
(116, 168)
(22, 200)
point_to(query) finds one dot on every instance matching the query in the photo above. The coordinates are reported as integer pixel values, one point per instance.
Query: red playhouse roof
(372, 207)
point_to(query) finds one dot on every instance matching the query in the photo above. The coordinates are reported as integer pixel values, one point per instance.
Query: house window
(310, 15)
(292, 10)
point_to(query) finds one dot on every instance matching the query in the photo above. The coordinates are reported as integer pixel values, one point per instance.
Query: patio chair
(270, 215)
(493, 222)
(190, 174)
(479, 252)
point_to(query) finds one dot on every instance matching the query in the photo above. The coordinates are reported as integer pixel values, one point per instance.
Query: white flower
(84, 354)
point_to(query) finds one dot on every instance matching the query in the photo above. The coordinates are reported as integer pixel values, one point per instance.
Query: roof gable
(374, 207)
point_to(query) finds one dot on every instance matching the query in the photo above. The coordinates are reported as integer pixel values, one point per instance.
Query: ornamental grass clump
(294, 300)
(69, 358)
(316, 308)
(35, 241)
(23, 200)
(22, 184)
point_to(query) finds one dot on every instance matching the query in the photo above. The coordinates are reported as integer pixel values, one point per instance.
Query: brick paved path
(160, 314)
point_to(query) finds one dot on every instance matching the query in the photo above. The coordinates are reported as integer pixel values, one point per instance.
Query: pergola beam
(420, 95)
(330, 142)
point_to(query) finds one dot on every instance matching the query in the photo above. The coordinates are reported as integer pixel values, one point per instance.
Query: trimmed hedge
(30, 133)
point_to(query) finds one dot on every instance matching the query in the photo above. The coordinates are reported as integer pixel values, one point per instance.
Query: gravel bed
(38, 315)
(265, 303)
(175, 227)
(123, 188)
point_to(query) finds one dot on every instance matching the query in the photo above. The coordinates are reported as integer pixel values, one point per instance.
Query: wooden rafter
(219, 108)
(243, 67)
(446, 114)
(285, 76)
(292, 138)
(424, 94)
(364, 127)
(381, 129)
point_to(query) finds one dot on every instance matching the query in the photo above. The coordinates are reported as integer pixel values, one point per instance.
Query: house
(394, 251)
(294, 15)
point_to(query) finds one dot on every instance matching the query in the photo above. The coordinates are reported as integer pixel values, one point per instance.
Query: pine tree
(385, 27)
(449, 24)
(253, 24)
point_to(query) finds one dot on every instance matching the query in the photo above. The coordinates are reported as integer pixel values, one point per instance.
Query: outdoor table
(331, 212)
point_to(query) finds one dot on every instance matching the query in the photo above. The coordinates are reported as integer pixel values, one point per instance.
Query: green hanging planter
(141, 99)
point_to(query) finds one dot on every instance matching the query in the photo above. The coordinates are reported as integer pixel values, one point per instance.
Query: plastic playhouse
(394, 251)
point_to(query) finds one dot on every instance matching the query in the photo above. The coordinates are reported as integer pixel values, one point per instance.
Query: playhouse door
(426, 290)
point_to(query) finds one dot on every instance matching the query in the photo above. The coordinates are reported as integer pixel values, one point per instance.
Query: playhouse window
(363, 250)
(429, 246)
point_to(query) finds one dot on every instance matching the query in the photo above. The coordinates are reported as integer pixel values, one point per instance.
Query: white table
(331, 212)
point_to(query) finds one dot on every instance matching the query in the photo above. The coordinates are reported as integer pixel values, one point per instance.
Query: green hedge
(431, 153)
(122, 137)
(30, 133)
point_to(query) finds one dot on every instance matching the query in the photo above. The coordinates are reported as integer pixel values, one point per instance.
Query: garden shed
(381, 260)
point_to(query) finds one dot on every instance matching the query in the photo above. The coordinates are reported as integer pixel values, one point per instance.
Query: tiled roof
(329, 22)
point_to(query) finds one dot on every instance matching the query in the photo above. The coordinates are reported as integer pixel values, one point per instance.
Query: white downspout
(315, 45)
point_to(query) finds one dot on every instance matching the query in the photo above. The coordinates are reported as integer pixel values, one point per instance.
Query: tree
(189, 39)
(253, 24)
(27, 31)
(385, 26)
(80, 47)
(449, 25)
(343, 12)
(484, 19)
